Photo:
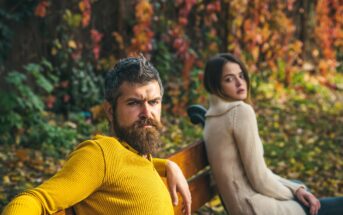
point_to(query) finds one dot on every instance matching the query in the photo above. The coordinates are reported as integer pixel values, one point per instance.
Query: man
(116, 174)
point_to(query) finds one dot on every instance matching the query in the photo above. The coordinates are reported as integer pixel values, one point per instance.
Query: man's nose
(145, 110)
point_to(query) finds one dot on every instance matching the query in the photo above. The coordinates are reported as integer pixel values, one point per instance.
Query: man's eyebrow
(133, 99)
(156, 98)
(140, 99)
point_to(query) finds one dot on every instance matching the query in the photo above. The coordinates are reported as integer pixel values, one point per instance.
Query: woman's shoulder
(245, 107)
(245, 111)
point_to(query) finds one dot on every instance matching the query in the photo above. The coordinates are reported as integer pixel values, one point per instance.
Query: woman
(235, 151)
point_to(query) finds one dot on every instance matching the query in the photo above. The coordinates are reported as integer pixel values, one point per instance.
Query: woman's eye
(241, 76)
(229, 79)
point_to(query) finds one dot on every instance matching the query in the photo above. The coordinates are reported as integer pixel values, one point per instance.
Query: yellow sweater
(102, 176)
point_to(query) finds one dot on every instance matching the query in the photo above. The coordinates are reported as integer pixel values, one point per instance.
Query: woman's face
(233, 83)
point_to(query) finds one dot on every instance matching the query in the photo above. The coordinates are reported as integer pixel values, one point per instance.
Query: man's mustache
(147, 121)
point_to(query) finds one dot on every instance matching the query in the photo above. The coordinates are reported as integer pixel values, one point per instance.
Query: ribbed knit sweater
(102, 176)
(235, 152)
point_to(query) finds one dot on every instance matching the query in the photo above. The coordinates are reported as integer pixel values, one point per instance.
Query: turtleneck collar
(219, 106)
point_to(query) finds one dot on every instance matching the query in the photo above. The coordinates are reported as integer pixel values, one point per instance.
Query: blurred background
(54, 54)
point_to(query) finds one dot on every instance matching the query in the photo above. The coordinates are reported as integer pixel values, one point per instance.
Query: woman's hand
(309, 200)
(178, 183)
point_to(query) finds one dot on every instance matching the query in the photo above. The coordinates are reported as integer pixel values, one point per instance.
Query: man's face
(137, 116)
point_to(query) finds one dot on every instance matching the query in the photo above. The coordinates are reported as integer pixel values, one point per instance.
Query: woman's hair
(214, 71)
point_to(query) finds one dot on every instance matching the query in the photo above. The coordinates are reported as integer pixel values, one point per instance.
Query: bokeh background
(54, 54)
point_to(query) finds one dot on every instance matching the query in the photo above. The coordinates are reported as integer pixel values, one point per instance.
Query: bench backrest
(193, 163)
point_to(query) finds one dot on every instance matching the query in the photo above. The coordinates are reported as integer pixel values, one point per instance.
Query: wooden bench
(194, 164)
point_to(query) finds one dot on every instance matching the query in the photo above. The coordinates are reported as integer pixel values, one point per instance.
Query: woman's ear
(108, 110)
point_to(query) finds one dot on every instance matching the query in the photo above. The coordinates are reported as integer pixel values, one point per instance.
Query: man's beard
(144, 140)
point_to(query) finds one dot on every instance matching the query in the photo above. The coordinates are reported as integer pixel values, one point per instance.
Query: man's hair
(134, 70)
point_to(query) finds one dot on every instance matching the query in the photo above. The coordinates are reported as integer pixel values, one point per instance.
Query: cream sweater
(235, 153)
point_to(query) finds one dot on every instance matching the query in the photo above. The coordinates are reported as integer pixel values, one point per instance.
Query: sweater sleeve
(251, 152)
(293, 186)
(81, 175)
(160, 166)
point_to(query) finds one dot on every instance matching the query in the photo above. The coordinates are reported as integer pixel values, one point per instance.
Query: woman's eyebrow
(230, 74)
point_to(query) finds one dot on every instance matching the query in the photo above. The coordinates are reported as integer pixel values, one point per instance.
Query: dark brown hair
(132, 70)
(214, 71)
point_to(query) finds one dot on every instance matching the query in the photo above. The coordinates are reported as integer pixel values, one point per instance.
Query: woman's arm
(251, 152)
(293, 186)
(82, 173)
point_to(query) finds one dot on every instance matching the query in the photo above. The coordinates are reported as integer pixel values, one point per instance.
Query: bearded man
(116, 174)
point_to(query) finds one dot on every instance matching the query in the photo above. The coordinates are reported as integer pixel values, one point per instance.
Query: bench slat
(201, 189)
(191, 159)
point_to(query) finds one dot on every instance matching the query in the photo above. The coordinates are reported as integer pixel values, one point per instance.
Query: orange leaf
(41, 9)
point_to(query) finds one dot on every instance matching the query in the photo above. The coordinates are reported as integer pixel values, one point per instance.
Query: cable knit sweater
(102, 176)
(235, 153)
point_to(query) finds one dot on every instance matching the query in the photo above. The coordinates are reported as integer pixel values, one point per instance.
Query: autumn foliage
(53, 55)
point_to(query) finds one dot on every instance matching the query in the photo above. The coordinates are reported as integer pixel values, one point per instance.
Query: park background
(54, 54)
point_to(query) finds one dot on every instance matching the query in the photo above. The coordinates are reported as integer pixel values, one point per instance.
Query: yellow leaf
(72, 44)
(82, 6)
(255, 52)
(53, 51)
(98, 112)
(6, 179)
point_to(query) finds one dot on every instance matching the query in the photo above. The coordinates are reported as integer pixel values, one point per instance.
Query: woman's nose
(238, 82)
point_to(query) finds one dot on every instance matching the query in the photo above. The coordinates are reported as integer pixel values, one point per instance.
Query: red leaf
(41, 9)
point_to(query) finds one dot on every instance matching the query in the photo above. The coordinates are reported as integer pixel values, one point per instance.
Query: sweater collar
(130, 148)
(219, 106)
(125, 145)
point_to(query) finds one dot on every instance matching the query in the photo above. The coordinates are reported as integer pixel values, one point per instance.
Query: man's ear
(108, 110)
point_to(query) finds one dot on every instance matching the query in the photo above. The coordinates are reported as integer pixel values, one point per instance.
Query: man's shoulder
(100, 141)
(104, 138)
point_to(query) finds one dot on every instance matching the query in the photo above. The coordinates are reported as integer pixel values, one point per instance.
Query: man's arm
(176, 182)
(82, 173)
(161, 166)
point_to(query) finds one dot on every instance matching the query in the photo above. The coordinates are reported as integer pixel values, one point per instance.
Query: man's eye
(154, 102)
(132, 103)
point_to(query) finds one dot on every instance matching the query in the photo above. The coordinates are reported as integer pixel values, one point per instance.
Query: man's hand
(309, 200)
(177, 183)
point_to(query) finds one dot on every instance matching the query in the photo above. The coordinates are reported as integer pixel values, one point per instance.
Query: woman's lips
(240, 91)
